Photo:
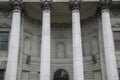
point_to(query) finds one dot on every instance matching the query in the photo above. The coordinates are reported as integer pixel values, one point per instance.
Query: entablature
(55, 0)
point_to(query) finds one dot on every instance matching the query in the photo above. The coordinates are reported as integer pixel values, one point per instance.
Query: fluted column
(77, 41)
(108, 40)
(13, 52)
(45, 45)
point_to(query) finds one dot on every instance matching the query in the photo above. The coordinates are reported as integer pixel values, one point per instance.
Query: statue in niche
(60, 50)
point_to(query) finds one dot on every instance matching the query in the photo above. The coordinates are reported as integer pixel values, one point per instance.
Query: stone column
(108, 41)
(77, 41)
(13, 52)
(45, 44)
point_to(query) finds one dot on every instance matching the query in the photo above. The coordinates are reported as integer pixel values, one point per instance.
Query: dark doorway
(2, 74)
(61, 74)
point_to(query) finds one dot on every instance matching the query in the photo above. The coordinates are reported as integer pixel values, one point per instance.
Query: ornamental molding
(46, 4)
(105, 4)
(17, 5)
(75, 4)
(16, 2)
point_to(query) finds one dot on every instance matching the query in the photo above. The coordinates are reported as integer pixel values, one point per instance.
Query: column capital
(46, 4)
(74, 4)
(16, 4)
(105, 4)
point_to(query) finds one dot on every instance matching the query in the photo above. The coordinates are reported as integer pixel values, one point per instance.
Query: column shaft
(77, 46)
(12, 64)
(109, 49)
(45, 47)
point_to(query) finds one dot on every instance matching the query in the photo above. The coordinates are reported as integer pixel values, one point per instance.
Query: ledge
(55, 0)
(64, 0)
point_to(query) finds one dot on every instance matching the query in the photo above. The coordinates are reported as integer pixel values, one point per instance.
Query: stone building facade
(59, 39)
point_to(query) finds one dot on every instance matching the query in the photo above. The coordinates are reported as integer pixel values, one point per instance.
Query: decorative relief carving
(17, 4)
(5, 13)
(75, 4)
(105, 4)
(46, 4)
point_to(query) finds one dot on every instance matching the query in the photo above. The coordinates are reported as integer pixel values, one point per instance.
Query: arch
(61, 74)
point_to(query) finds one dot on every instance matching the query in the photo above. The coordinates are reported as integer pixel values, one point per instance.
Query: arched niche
(94, 45)
(61, 74)
(27, 46)
(60, 50)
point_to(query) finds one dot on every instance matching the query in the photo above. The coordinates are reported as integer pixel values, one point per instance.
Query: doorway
(61, 74)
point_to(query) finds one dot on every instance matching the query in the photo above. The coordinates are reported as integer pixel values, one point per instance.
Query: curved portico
(61, 47)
